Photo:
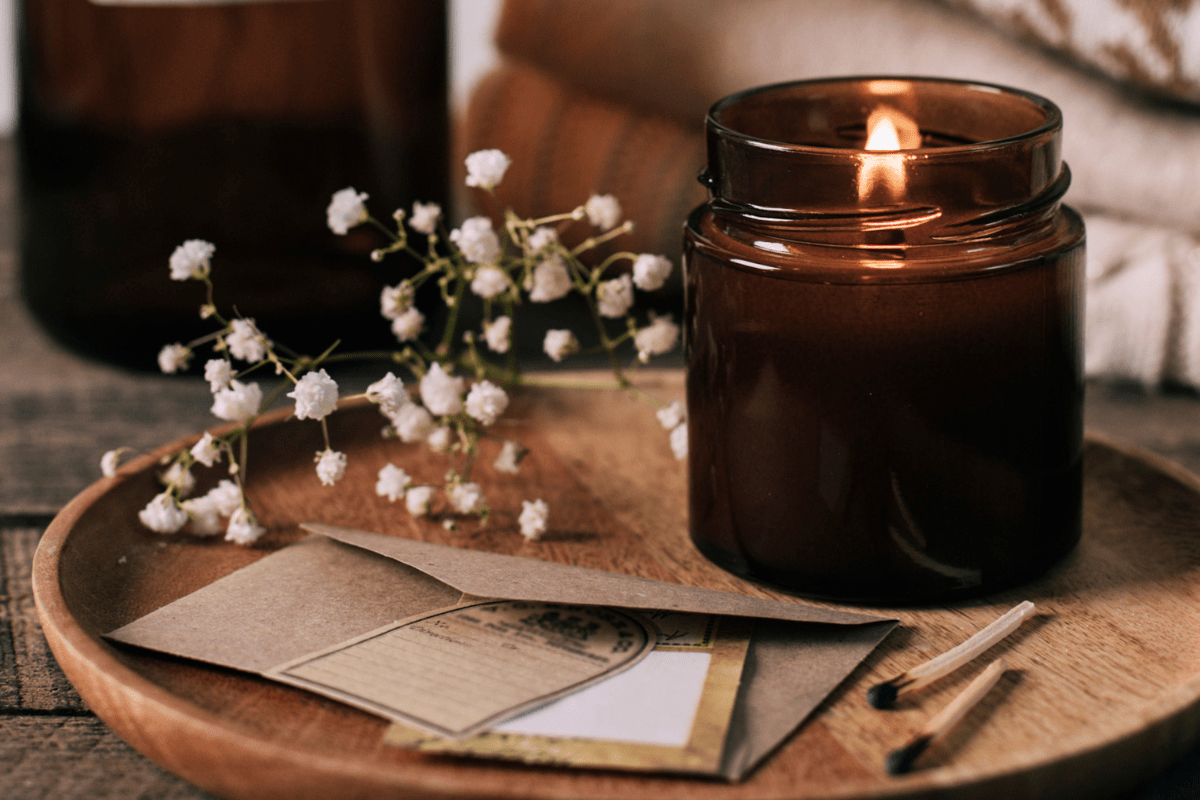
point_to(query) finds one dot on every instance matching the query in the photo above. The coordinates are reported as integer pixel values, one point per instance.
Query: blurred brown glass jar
(145, 125)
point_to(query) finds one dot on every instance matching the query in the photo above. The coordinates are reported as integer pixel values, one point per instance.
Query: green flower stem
(594, 241)
(244, 463)
(570, 215)
(615, 257)
(365, 355)
(460, 289)
(208, 293)
(608, 345)
(386, 230)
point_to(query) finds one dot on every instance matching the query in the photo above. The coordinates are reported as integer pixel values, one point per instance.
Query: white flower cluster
(476, 240)
(486, 168)
(656, 338)
(674, 419)
(346, 210)
(444, 400)
(425, 217)
(191, 260)
(443, 410)
(173, 357)
(165, 514)
(246, 342)
(316, 395)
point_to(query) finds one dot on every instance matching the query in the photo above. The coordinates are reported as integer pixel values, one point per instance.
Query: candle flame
(887, 130)
(883, 135)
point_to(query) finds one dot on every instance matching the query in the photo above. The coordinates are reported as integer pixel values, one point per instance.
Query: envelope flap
(516, 578)
(303, 598)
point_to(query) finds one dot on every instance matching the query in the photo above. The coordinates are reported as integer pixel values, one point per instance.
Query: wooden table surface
(59, 413)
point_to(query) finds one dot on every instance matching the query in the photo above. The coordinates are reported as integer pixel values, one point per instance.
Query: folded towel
(659, 64)
(1149, 44)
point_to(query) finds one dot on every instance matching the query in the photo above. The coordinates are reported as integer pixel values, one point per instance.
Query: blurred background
(127, 128)
(146, 122)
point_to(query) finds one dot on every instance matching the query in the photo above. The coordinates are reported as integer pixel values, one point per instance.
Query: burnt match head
(882, 695)
(901, 761)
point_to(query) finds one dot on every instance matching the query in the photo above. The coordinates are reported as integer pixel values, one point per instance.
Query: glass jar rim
(715, 120)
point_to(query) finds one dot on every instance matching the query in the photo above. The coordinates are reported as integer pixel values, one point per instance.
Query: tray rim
(1168, 730)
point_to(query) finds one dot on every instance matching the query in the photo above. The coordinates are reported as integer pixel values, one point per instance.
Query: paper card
(456, 671)
(671, 712)
(322, 592)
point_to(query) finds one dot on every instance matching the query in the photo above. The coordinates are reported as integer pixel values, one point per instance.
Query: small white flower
(558, 344)
(510, 457)
(315, 395)
(408, 325)
(388, 392)
(425, 217)
(163, 514)
(346, 210)
(650, 271)
(498, 334)
(672, 415)
(246, 341)
(656, 338)
(411, 422)
(542, 238)
(551, 280)
(395, 300)
(679, 441)
(237, 403)
(486, 168)
(218, 372)
(226, 496)
(110, 461)
(181, 478)
(418, 500)
(173, 357)
(603, 211)
(441, 393)
(489, 282)
(440, 438)
(477, 240)
(190, 259)
(206, 451)
(331, 466)
(205, 516)
(615, 297)
(243, 527)
(533, 519)
(466, 498)
(486, 402)
(392, 482)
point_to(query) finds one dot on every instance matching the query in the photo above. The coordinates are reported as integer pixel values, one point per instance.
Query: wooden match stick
(883, 695)
(900, 761)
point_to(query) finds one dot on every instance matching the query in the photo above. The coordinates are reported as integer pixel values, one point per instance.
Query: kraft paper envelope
(328, 589)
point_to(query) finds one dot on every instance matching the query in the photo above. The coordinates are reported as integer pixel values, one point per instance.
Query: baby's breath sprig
(524, 261)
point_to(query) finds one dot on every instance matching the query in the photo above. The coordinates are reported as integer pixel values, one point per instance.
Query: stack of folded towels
(595, 96)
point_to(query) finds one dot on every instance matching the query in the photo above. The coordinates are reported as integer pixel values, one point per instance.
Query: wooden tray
(1102, 693)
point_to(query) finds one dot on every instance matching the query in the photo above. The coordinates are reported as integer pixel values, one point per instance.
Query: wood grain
(1103, 691)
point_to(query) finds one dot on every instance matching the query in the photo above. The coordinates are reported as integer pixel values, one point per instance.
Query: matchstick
(883, 695)
(900, 761)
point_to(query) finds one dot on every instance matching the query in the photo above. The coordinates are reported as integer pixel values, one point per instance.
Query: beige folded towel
(1149, 44)
(1135, 159)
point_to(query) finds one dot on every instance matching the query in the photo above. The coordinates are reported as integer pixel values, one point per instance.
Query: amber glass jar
(884, 348)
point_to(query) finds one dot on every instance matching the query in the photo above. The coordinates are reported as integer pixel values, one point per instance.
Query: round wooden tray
(1102, 692)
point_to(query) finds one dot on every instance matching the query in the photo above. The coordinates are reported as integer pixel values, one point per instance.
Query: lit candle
(883, 333)
(890, 130)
